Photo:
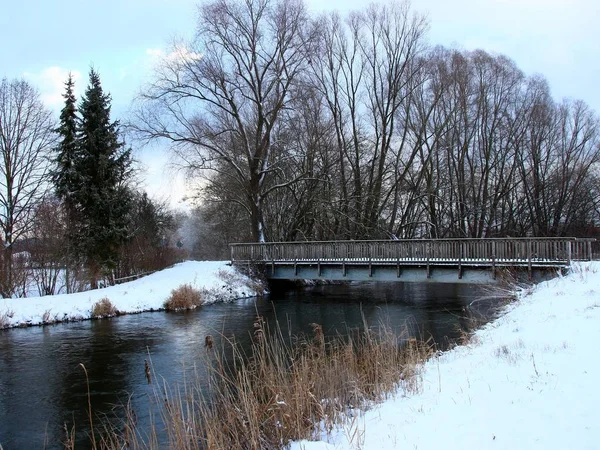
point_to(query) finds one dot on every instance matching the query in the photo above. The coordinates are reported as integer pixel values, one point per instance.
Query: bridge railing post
(494, 260)
(460, 257)
(428, 248)
(529, 262)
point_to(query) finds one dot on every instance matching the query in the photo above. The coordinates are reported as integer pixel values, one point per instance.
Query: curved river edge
(216, 281)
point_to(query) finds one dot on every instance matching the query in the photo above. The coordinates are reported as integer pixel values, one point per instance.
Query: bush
(104, 308)
(183, 297)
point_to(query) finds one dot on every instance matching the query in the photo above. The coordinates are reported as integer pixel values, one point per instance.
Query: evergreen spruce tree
(102, 198)
(64, 175)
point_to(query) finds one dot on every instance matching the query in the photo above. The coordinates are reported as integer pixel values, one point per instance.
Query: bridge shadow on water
(427, 311)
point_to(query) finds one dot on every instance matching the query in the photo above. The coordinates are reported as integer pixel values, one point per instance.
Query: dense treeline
(353, 127)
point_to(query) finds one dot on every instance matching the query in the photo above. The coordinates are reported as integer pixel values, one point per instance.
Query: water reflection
(42, 385)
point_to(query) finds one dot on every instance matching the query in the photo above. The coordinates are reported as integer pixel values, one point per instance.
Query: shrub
(183, 297)
(103, 308)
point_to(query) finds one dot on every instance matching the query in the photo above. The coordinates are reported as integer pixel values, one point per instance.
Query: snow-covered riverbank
(529, 380)
(217, 280)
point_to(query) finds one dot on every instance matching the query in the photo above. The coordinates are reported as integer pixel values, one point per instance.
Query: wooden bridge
(433, 260)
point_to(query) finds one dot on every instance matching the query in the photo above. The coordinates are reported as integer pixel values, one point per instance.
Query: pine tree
(102, 198)
(64, 176)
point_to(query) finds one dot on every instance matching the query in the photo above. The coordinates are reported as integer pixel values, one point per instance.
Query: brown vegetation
(104, 308)
(184, 297)
(285, 389)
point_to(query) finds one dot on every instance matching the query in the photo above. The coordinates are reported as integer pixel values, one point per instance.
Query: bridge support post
(428, 268)
(295, 267)
(344, 267)
(589, 246)
(493, 267)
(370, 268)
(319, 267)
(569, 253)
(398, 272)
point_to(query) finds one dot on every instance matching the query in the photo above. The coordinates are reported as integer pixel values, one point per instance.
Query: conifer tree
(64, 175)
(102, 165)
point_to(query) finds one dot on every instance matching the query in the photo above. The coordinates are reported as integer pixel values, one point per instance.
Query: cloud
(179, 54)
(51, 84)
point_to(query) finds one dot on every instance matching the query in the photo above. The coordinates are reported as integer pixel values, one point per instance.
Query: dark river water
(42, 386)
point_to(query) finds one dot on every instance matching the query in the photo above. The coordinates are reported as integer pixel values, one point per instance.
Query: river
(42, 385)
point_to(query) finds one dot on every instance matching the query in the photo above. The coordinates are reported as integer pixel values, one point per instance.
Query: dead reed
(104, 308)
(182, 298)
(286, 388)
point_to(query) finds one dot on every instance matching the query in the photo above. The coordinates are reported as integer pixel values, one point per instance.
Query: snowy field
(529, 380)
(219, 282)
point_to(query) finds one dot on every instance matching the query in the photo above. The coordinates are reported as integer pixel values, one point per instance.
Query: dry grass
(104, 308)
(5, 318)
(286, 389)
(184, 297)
(510, 354)
(48, 318)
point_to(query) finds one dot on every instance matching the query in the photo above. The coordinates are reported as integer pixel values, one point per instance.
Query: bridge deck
(447, 260)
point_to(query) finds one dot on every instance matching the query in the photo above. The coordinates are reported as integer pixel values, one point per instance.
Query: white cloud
(51, 84)
(179, 54)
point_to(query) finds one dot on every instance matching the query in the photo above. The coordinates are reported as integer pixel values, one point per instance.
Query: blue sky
(43, 39)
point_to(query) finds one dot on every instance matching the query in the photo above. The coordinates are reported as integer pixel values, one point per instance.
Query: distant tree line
(71, 216)
(328, 127)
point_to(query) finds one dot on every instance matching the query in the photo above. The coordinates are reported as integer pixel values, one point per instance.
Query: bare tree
(364, 132)
(26, 137)
(48, 250)
(219, 100)
(365, 69)
(558, 164)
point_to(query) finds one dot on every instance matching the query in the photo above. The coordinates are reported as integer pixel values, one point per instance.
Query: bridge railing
(497, 249)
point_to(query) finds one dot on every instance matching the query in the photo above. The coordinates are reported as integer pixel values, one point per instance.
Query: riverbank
(528, 380)
(215, 279)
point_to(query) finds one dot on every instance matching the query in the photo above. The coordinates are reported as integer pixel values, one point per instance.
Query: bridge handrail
(500, 250)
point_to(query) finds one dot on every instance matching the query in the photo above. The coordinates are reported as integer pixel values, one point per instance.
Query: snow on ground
(529, 380)
(218, 280)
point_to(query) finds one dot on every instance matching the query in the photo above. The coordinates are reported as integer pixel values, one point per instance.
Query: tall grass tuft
(104, 308)
(183, 297)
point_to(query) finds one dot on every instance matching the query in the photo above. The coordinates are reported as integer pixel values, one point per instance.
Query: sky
(42, 40)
